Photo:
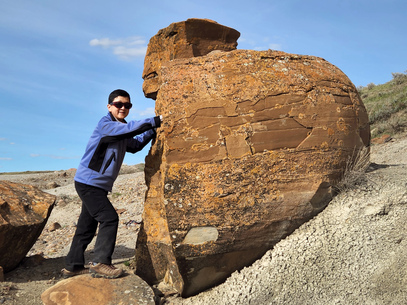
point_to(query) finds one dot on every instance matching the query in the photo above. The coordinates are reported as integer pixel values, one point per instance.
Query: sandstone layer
(185, 39)
(251, 148)
(24, 211)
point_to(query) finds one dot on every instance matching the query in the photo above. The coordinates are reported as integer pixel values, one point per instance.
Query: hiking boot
(66, 273)
(105, 271)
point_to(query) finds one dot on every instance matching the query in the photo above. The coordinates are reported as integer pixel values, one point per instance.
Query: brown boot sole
(94, 274)
(67, 274)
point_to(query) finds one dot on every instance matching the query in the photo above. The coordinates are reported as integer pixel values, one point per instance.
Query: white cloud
(104, 42)
(261, 44)
(62, 157)
(271, 46)
(129, 53)
(275, 46)
(4, 139)
(125, 48)
(147, 112)
(53, 157)
(6, 159)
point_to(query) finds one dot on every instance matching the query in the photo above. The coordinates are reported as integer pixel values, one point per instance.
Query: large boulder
(251, 148)
(24, 211)
(84, 289)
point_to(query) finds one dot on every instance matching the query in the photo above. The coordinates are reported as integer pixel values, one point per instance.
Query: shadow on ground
(37, 268)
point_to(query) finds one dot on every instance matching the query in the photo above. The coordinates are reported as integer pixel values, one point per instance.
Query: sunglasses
(120, 105)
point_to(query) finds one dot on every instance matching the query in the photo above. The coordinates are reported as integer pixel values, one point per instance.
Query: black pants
(96, 209)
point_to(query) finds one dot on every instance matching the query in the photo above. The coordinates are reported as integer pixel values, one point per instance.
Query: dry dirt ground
(41, 268)
(262, 283)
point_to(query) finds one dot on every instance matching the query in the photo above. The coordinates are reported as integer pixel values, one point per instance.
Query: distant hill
(386, 105)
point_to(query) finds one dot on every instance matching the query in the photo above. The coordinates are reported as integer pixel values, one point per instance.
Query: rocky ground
(354, 252)
(43, 263)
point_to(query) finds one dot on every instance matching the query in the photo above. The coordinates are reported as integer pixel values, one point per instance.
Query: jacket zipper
(112, 157)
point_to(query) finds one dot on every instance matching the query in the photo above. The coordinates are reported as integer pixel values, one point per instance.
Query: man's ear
(108, 107)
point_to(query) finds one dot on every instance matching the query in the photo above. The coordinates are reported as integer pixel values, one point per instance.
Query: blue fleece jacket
(100, 165)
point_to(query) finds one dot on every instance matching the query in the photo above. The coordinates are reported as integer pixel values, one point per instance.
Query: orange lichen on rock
(190, 38)
(24, 211)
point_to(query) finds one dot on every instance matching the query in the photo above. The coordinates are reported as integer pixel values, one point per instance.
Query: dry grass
(355, 169)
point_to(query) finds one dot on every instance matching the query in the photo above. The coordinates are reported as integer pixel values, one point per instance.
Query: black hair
(116, 93)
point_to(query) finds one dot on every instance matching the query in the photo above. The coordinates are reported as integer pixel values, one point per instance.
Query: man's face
(119, 113)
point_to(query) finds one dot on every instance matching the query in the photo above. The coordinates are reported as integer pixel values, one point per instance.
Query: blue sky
(59, 60)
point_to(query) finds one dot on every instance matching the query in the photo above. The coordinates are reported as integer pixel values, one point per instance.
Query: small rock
(120, 211)
(52, 185)
(54, 226)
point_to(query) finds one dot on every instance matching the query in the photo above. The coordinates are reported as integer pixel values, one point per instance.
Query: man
(97, 171)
